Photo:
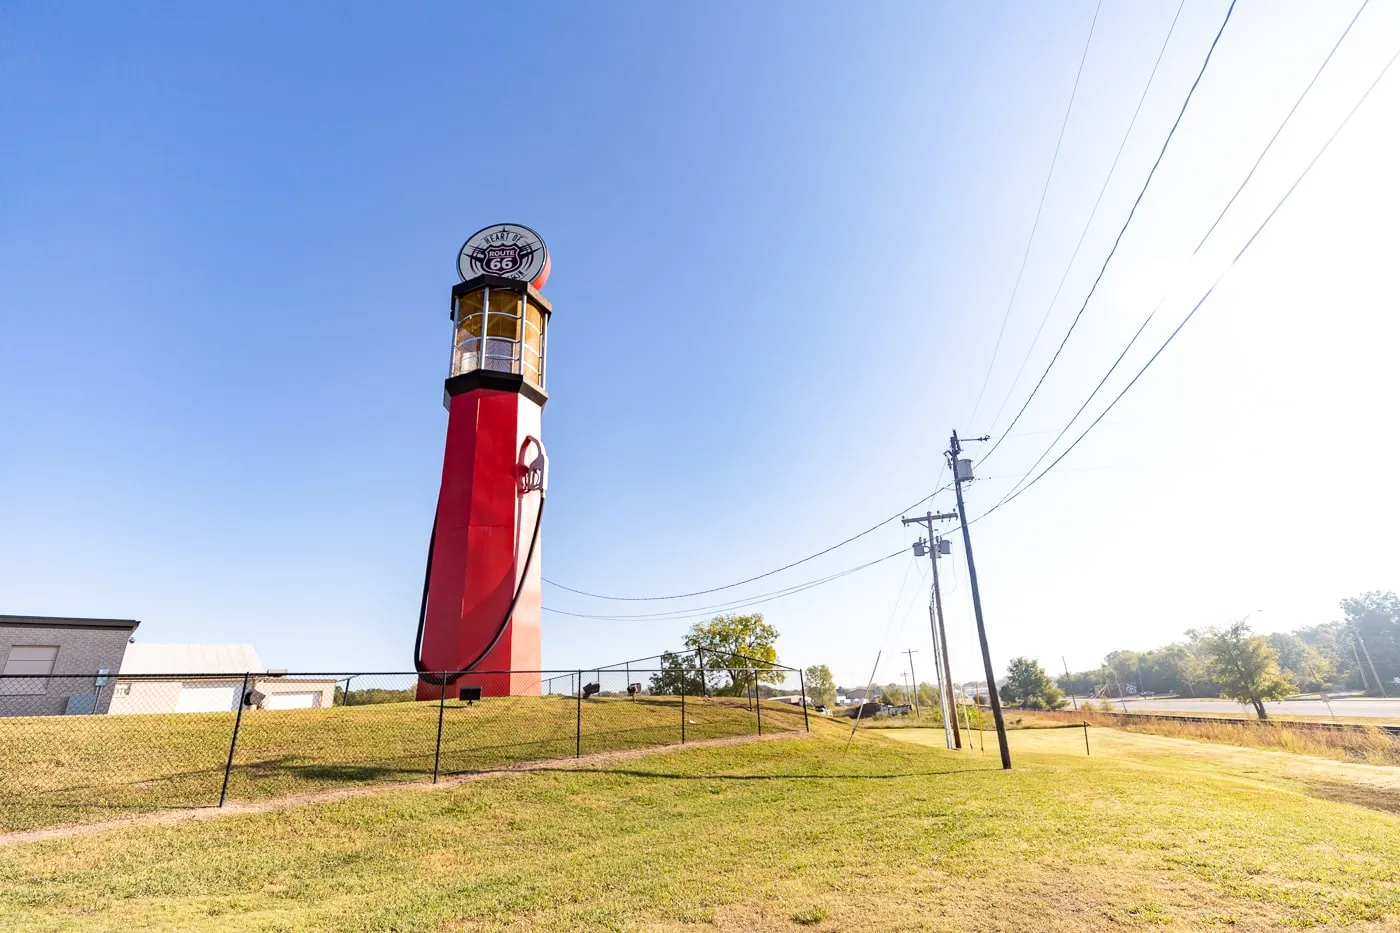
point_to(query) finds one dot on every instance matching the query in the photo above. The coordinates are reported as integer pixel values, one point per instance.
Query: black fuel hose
(442, 679)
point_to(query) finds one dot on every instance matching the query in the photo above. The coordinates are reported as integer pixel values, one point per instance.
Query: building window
(30, 660)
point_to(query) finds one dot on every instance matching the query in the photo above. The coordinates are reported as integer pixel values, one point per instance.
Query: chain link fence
(79, 748)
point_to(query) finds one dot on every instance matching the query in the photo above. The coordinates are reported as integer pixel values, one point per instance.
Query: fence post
(682, 707)
(704, 686)
(802, 680)
(233, 742)
(345, 701)
(578, 722)
(757, 708)
(1086, 736)
(437, 750)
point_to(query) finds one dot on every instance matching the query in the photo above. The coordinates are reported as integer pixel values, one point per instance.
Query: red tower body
(480, 621)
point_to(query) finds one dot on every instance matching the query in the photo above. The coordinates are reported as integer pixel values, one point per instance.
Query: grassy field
(1362, 743)
(1148, 832)
(63, 769)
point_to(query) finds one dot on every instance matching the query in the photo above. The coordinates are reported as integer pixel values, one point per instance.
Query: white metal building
(193, 678)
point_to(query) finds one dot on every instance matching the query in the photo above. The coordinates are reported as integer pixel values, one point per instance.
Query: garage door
(205, 699)
(292, 701)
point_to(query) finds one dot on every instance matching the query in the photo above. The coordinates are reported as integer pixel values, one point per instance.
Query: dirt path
(234, 808)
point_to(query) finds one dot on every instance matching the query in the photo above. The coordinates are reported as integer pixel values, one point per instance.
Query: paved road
(1343, 707)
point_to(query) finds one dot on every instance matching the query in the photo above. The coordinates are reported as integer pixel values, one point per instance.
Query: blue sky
(784, 237)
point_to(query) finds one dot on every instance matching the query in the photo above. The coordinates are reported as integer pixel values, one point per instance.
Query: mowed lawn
(793, 833)
(66, 769)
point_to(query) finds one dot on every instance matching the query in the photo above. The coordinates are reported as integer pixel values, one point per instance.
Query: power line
(730, 586)
(1092, 214)
(1039, 208)
(1219, 217)
(1336, 45)
(1076, 415)
(676, 615)
(899, 598)
(1119, 239)
(1192, 313)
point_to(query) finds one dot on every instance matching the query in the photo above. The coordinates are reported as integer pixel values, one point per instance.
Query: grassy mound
(64, 769)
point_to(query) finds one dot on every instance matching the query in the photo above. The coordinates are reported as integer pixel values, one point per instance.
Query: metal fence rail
(77, 747)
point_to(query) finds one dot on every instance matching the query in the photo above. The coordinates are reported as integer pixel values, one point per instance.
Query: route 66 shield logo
(509, 250)
(502, 260)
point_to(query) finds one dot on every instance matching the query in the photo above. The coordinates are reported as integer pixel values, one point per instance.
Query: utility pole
(1367, 651)
(962, 473)
(942, 666)
(913, 694)
(1068, 684)
(1365, 685)
(936, 551)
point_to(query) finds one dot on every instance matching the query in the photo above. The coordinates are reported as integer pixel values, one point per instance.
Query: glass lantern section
(501, 330)
(466, 341)
(502, 349)
(532, 349)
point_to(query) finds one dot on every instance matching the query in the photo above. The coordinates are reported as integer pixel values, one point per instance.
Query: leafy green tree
(677, 676)
(735, 649)
(1374, 620)
(1331, 643)
(1300, 662)
(1246, 666)
(1182, 669)
(894, 694)
(1028, 685)
(821, 688)
(1125, 666)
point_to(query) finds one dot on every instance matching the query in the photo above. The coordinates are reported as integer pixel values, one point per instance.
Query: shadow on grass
(675, 776)
(320, 772)
(1372, 798)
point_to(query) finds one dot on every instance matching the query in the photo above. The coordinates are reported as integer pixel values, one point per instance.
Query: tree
(1183, 671)
(739, 648)
(1373, 620)
(1246, 666)
(821, 688)
(1332, 642)
(1299, 662)
(894, 695)
(1125, 667)
(1078, 684)
(677, 676)
(1028, 685)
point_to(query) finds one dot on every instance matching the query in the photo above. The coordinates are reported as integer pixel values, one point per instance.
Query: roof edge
(68, 622)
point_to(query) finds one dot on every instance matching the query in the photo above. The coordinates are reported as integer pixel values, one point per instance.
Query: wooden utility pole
(962, 473)
(913, 694)
(942, 667)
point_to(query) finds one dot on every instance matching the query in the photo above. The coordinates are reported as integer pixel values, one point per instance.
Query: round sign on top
(512, 251)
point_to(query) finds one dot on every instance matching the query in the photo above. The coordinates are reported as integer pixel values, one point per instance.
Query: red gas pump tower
(479, 621)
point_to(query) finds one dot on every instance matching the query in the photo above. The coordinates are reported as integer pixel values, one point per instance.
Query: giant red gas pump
(479, 622)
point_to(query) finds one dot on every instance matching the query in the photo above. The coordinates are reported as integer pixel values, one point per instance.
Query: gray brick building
(67, 665)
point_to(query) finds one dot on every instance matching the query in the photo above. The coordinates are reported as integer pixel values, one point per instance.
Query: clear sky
(784, 238)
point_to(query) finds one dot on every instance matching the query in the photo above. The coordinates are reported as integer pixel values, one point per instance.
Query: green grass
(1148, 832)
(1363, 743)
(65, 769)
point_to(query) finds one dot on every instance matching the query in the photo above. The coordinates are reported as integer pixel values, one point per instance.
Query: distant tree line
(1359, 652)
(371, 695)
